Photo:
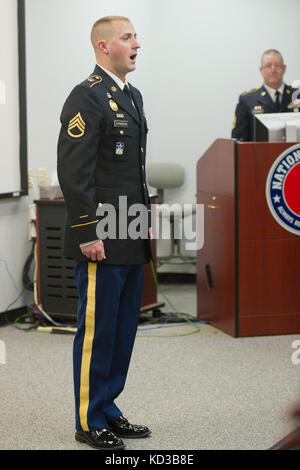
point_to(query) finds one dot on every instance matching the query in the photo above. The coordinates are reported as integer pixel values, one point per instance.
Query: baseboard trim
(177, 278)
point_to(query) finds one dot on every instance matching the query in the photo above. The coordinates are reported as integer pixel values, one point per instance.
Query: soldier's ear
(102, 47)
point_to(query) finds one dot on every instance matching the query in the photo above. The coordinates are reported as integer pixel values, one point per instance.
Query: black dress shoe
(122, 428)
(102, 439)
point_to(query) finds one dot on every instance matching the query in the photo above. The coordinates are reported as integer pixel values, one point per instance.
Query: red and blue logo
(283, 189)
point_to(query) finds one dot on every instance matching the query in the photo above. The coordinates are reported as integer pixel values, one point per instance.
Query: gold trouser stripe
(87, 346)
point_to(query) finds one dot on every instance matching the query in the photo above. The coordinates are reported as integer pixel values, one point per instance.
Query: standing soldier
(101, 157)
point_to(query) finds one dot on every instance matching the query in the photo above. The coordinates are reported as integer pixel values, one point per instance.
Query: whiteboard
(13, 139)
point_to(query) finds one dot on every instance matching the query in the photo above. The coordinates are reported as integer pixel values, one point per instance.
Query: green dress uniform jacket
(256, 100)
(101, 156)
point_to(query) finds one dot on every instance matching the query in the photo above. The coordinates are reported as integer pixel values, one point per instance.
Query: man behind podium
(273, 97)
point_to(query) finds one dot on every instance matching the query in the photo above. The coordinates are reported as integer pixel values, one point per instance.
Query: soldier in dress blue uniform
(273, 97)
(101, 157)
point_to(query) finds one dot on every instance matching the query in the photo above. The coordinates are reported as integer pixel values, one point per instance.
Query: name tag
(120, 123)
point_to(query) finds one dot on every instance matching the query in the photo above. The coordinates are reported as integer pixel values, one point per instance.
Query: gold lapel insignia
(113, 105)
(288, 92)
(263, 93)
(76, 123)
(114, 89)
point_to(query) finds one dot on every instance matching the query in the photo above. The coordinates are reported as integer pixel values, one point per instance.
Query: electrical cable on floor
(38, 310)
(4, 313)
(20, 296)
(32, 326)
(28, 283)
(65, 329)
(70, 330)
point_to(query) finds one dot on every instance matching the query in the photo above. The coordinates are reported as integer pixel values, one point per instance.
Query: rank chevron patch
(76, 123)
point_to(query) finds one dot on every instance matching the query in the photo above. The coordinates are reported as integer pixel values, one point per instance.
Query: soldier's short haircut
(101, 28)
(272, 51)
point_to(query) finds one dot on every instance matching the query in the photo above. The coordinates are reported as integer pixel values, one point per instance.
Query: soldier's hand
(94, 251)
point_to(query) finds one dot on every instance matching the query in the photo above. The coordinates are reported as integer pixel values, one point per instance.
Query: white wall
(59, 55)
(197, 57)
(14, 249)
(206, 54)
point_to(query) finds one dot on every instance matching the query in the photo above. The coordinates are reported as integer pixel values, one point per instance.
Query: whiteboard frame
(23, 189)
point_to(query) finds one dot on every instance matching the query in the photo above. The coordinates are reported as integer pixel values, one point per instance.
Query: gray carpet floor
(195, 391)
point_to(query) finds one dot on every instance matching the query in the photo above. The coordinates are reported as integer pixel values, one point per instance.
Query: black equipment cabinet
(56, 287)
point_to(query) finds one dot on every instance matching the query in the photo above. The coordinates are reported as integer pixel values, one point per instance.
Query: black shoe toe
(122, 428)
(102, 439)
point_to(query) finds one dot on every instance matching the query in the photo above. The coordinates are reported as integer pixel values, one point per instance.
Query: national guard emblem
(120, 148)
(282, 189)
(113, 105)
(76, 127)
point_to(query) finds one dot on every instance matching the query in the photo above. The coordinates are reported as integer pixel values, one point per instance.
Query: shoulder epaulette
(250, 91)
(93, 80)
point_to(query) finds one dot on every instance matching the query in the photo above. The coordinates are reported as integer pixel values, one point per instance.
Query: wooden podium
(248, 269)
